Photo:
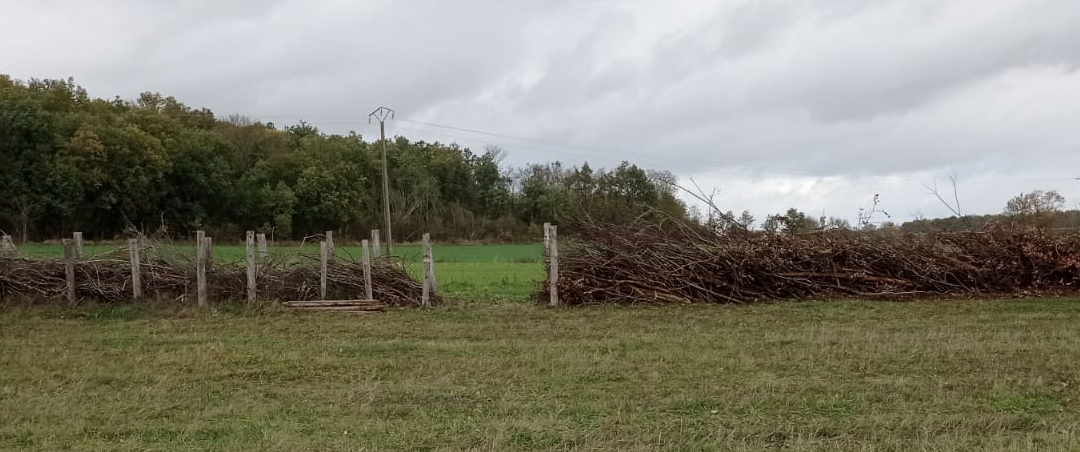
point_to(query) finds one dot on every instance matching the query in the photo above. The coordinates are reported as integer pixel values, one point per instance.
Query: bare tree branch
(954, 208)
(708, 200)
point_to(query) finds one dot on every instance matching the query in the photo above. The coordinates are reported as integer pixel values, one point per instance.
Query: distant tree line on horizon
(1038, 208)
(113, 168)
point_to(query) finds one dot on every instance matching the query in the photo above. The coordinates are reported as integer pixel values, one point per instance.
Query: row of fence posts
(73, 250)
(327, 252)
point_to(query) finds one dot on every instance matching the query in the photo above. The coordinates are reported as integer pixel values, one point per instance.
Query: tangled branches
(108, 279)
(677, 263)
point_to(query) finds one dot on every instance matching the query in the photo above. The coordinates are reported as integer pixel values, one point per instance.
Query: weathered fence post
(429, 264)
(200, 266)
(322, 270)
(264, 252)
(425, 294)
(6, 244)
(425, 288)
(375, 248)
(330, 250)
(249, 245)
(69, 270)
(547, 242)
(209, 254)
(78, 244)
(367, 270)
(136, 272)
(552, 241)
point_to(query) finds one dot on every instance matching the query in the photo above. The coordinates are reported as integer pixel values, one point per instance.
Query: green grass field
(505, 376)
(513, 271)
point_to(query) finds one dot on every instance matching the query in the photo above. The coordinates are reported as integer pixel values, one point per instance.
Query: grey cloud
(737, 93)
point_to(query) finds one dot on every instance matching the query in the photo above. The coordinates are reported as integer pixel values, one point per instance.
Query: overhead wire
(608, 153)
(691, 165)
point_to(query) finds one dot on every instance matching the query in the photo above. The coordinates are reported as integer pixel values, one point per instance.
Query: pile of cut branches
(669, 262)
(107, 278)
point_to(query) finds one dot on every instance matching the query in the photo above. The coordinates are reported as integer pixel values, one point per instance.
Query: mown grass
(947, 376)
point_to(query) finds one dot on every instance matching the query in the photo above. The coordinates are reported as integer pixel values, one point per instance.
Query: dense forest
(154, 165)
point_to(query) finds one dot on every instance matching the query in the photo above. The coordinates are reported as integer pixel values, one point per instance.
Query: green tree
(68, 161)
(793, 221)
(1037, 208)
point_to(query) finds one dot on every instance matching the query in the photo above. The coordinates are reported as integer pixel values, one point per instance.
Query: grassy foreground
(948, 376)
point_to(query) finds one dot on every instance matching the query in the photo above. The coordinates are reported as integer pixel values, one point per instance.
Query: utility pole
(380, 114)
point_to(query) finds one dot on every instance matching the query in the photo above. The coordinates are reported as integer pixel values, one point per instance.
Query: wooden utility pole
(381, 114)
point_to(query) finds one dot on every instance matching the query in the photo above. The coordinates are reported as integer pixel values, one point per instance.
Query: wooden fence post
(322, 270)
(367, 270)
(209, 254)
(249, 245)
(547, 242)
(425, 295)
(136, 272)
(6, 244)
(553, 263)
(429, 264)
(200, 266)
(78, 244)
(425, 288)
(69, 269)
(264, 252)
(375, 248)
(330, 249)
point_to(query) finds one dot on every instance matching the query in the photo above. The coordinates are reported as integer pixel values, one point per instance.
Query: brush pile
(107, 278)
(607, 263)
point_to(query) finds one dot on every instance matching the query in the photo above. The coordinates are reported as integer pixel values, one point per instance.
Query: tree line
(1043, 209)
(113, 167)
(153, 165)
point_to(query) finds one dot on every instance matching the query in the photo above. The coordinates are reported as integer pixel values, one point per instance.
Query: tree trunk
(25, 209)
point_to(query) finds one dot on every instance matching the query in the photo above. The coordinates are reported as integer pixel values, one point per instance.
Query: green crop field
(462, 270)
(506, 376)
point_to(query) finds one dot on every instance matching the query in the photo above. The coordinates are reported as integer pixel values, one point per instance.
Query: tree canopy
(153, 164)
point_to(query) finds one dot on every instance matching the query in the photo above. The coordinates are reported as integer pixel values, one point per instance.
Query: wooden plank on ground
(317, 303)
(344, 308)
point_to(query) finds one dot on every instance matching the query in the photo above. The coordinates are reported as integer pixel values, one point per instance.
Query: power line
(615, 154)
(693, 165)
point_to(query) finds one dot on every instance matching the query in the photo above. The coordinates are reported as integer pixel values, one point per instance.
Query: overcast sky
(817, 104)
